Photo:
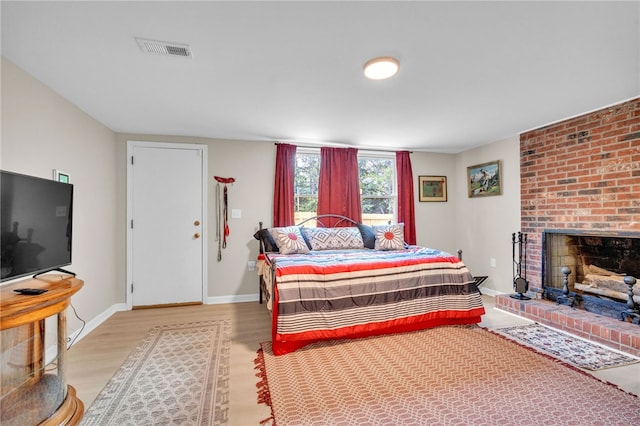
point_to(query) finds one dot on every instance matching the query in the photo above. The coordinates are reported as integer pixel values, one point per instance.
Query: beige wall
(484, 225)
(41, 131)
(480, 227)
(435, 226)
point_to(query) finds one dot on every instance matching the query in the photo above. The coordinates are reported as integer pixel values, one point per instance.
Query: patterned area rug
(450, 375)
(179, 375)
(570, 349)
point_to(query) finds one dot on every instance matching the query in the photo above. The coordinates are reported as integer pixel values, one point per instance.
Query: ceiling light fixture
(381, 68)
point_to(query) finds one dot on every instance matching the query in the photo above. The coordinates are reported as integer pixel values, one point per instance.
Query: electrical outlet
(493, 262)
(251, 265)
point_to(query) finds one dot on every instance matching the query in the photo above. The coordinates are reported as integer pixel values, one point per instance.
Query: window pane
(377, 176)
(306, 203)
(377, 189)
(306, 186)
(376, 205)
(306, 174)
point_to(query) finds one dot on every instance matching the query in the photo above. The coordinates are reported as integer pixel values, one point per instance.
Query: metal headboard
(319, 218)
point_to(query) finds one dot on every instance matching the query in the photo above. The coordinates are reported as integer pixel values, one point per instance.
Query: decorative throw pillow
(289, 240)
(334, 238)
(389, 237)
(368, 235)
(263, 235)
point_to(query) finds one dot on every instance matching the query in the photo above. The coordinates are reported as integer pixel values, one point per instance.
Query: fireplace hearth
(616, 334)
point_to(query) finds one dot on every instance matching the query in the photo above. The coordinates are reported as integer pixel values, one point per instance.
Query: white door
(166, 223)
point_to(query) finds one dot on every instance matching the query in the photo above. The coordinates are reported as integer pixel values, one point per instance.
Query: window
(377, 186)
(305, 185)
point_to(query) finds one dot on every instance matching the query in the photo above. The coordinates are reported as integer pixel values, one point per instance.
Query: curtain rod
(342, 146)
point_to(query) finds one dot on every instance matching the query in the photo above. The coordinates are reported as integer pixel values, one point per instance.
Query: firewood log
(611, 282)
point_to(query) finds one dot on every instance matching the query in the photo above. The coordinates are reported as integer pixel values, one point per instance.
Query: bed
(351, 280)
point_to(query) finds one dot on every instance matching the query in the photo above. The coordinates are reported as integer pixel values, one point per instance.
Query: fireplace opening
(598, 265)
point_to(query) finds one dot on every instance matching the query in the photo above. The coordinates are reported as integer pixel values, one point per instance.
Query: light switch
(236, 213)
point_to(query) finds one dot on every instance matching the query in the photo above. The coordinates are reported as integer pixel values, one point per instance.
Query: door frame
(131, 144)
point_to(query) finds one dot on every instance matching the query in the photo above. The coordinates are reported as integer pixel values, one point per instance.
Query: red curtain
(339, 184)
(406, 207)
(283, 197)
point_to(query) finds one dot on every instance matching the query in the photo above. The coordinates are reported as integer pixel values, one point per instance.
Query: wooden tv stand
(33, 388)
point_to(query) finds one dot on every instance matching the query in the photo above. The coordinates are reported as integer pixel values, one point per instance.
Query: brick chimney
(580, 174)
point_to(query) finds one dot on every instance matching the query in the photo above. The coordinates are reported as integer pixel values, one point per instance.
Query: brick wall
(582, 173)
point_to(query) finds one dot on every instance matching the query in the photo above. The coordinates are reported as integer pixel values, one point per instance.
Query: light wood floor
(94, 359)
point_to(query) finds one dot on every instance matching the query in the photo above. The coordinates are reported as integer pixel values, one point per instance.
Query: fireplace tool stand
(520, 283)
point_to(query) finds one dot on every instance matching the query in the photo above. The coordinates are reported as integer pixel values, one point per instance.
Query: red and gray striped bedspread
(357, 293)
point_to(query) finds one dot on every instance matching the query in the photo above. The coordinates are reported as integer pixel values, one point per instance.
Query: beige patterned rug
(571, 349)
(450, 375)
(178, 375)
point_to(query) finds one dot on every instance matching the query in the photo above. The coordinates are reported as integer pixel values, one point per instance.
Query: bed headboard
(339, 220)
(268, 244)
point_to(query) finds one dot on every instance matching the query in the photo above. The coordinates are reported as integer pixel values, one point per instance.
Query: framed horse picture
(484, 179)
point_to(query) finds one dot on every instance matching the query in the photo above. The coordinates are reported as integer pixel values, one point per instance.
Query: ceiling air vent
(164, 48)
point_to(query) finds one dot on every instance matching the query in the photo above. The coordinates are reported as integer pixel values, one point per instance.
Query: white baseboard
(236, 298)
(77, 335)
(490, 291)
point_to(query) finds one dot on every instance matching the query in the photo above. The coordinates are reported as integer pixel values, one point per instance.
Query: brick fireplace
(581, 175)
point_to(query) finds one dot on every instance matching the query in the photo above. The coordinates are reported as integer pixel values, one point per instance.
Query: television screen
(36, 225)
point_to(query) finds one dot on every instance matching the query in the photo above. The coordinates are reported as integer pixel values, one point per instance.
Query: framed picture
(484, 179)
(432, 188)
(61, 176)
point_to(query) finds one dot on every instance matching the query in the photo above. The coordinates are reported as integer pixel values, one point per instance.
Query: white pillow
(334, 238)
(289, 240)
(389, 237)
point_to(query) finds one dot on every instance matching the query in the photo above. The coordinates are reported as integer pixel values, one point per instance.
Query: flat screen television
(36, 225)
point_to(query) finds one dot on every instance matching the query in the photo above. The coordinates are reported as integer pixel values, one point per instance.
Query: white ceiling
(471, 73)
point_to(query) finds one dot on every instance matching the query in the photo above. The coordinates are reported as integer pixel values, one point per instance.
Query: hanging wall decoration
(484, 179)
(432, 188)
(222, 210)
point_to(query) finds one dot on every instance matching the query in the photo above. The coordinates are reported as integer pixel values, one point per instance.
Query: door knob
(196, 235)
(196, 223)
